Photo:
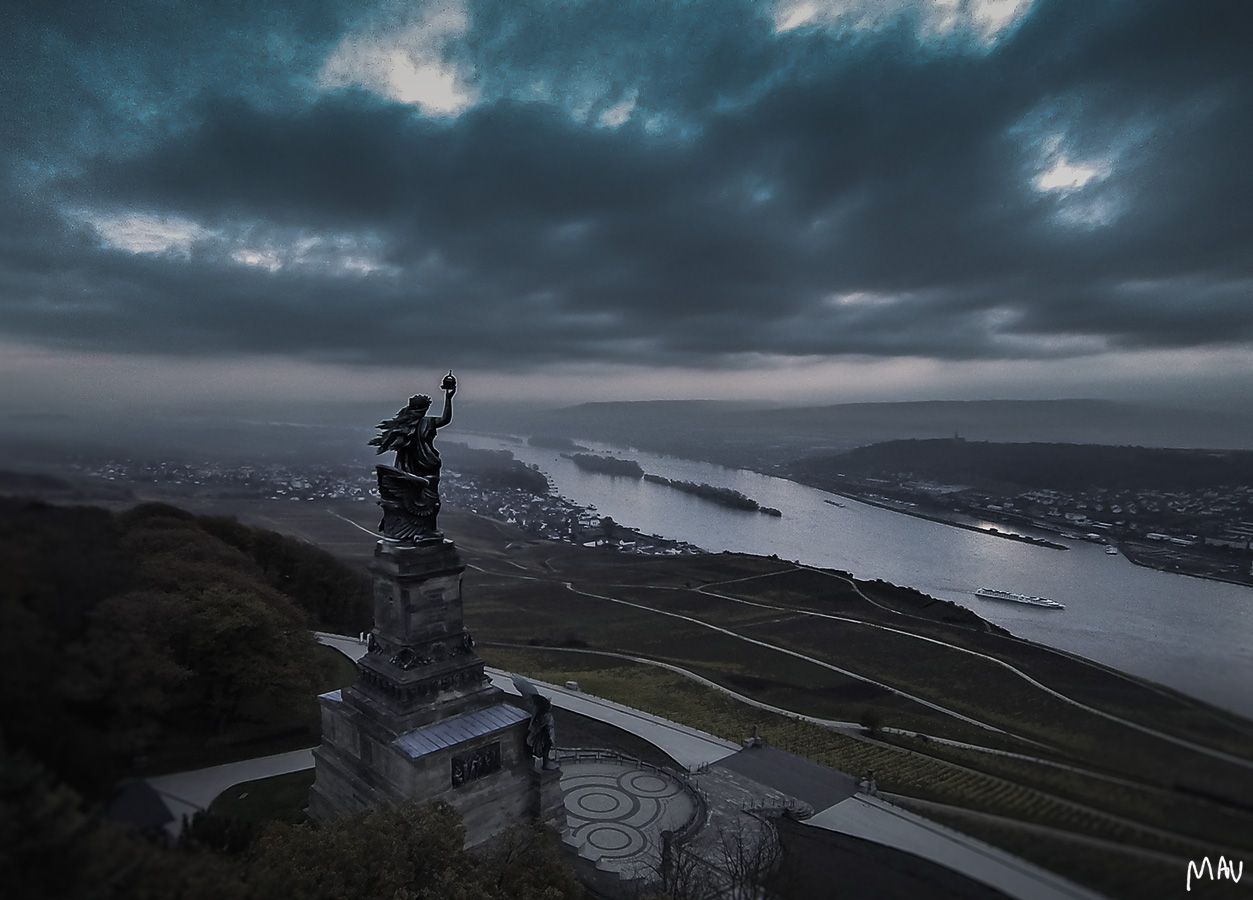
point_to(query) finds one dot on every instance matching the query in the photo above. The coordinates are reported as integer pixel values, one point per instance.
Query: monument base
(476, 762)
(423, 722)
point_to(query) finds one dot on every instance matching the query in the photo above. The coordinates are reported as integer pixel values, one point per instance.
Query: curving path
(856, 730)
(809, 659)
(1182, 742)
(1145, 729)
(833, 724)
(694, 749)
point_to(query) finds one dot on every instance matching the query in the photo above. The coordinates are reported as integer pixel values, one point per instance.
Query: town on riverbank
(1188, 512)
(484, 482)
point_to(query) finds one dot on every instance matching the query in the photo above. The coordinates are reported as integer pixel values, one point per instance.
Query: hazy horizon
(337, 433)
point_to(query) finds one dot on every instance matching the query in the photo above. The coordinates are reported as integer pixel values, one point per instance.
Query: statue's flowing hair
(400, 431)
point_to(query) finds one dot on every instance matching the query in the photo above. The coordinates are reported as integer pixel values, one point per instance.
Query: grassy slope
(516, 592)
(1120, 785)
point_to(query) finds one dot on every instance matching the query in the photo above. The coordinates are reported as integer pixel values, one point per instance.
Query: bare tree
(750, 854)
(685, 874)
(734, 867)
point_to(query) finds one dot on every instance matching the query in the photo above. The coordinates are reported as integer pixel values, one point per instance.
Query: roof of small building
(450, 732)
(794, 775)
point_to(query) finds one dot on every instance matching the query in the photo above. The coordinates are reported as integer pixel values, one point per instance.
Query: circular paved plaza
(616, 813)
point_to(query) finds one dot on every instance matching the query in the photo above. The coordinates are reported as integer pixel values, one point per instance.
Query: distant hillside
(1066, 467)
(764, 436)
(1059, 421)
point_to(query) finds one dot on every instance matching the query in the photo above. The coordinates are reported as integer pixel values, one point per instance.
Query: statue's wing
(405, 491)
(525, 688)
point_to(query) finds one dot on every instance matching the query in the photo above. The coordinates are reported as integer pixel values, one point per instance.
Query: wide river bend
(1188, 633)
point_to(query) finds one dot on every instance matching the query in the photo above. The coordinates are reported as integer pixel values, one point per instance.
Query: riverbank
(918, 514)
(1158, 557)
(1165, 559)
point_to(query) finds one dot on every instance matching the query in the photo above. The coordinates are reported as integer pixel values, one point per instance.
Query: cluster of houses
(268, 481)
(542, 515)
(1210, 517)
(553, 517)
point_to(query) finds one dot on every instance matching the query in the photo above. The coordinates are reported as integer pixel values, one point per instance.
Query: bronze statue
(542, 733)
(409, 490)
(541, 736)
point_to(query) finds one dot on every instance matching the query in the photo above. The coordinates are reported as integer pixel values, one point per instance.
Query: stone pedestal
(421, 666)
(423, 721)
(550, 803)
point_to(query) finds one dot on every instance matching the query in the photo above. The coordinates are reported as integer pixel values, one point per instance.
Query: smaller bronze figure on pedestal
(409, 490)
(541, 736)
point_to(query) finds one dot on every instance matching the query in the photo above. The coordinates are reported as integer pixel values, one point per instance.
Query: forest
(122, 633)
(156, 640)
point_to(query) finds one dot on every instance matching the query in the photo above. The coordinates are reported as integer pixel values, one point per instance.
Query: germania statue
(409, 490)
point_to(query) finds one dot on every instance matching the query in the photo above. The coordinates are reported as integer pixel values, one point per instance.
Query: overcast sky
(809, 200)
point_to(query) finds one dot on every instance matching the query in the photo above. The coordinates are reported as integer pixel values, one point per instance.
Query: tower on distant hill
(423, 721)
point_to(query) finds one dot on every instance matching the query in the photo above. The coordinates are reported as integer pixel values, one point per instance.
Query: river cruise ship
(1018, 598)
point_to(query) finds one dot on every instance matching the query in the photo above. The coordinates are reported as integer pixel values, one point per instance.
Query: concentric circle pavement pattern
(616, 813)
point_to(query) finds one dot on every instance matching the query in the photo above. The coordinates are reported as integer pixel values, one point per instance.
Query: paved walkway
(690, 748)
(351, 647)
(185, 793)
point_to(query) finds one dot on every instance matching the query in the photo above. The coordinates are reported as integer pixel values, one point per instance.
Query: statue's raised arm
(449, 384)
(409, 490)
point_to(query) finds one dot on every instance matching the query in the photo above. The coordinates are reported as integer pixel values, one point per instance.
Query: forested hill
(118, 632)
(1066, 467)
(146, 638)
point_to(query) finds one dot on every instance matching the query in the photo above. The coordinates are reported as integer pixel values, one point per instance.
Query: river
(1188, 633)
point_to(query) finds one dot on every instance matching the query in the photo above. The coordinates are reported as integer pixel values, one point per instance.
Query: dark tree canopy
(117, 631)
(51, 846)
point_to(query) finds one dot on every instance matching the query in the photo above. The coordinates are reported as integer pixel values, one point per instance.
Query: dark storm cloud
(795, 194)
(681, 58)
